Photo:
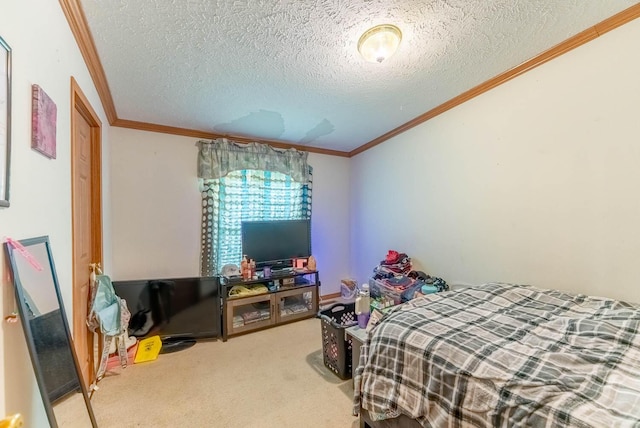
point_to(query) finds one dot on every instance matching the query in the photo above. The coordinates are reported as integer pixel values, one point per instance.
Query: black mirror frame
(24, 317)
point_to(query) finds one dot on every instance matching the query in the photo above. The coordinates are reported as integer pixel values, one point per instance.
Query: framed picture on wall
(44, 114)
(5, 121)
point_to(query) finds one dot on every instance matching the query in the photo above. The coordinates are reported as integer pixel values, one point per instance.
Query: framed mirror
(47, 333)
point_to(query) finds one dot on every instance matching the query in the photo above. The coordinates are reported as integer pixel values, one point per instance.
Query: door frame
(80, 103)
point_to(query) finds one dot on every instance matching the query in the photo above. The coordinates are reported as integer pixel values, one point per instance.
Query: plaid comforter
(504, 355)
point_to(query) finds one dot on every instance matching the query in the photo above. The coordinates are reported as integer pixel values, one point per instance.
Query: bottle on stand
(363, 306)
(252, 269)
(244, 267)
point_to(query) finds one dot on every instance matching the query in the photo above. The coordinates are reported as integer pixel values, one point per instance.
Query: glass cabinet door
(296, 303)
(250, 313)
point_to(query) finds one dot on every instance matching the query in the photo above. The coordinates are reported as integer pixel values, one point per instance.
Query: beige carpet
(271, 378)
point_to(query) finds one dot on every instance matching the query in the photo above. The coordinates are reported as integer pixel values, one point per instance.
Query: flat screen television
(176, 309)
(276, 243)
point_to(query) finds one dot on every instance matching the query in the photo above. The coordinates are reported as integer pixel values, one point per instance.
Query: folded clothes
(395, 258)
(399, 281)
(389, 271)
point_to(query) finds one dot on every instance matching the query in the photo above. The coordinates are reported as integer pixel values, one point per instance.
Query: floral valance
(219, 157)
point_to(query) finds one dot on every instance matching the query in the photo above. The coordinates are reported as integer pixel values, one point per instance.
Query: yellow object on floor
(148, 349)
(14, 421)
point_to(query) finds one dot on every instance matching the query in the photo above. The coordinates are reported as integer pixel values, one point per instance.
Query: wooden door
(86, 171)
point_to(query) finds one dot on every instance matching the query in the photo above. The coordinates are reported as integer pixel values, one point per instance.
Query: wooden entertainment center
(254, 304)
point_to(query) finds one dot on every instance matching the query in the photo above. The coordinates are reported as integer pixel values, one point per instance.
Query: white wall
(534, 182)
(156, 209)
(44, 53)
(330, 220)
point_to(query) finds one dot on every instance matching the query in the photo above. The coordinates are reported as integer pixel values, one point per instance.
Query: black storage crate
(336, 349)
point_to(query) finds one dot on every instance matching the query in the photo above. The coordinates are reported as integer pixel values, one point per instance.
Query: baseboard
(331, 299)
(329, 296)
(328, 299)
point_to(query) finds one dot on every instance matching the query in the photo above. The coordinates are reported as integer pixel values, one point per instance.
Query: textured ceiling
(289, 70)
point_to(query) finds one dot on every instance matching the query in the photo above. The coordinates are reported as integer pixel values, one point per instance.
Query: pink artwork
(43, 132)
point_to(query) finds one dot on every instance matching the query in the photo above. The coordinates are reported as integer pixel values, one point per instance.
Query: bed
(502, 355)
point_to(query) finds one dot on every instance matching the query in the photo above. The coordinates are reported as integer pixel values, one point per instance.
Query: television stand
(175, 344)
(255, 304)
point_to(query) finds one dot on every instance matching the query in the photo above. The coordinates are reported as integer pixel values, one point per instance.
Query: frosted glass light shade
(379, 43)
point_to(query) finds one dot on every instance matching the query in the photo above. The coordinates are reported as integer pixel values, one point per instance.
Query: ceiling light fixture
(379, 43)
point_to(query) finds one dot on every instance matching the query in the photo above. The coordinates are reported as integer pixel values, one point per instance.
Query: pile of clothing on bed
(395, 278)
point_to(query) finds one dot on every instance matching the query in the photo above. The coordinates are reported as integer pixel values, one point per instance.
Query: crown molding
(78, 24)
(185, 132)
(571, 43)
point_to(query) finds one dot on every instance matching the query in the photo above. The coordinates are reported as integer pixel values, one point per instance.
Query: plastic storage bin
(377, 290)
(336, 349)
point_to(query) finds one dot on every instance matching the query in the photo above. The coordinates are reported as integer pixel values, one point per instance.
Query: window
(245, 195)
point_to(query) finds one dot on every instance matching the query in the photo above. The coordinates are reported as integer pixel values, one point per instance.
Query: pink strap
(26, 254)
